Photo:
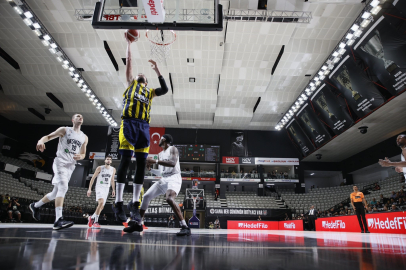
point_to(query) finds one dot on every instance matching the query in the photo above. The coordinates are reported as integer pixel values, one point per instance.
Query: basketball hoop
(160, 43)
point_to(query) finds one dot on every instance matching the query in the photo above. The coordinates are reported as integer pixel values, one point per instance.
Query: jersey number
(73, 147)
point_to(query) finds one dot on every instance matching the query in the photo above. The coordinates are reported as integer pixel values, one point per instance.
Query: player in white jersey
(71, 147)
(400, 167)
(105, 179)
(169, 184)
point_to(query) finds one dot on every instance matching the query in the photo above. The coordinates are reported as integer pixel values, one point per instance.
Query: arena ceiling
(230, 77)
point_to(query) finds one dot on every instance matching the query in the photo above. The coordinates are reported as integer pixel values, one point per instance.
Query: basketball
(132, 35)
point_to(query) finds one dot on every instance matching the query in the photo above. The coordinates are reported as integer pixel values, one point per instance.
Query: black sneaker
(184, 231)
(134, 210)
(362, 231)
(133, 227)
(62, 224)
(119, 211)
(367, 232)
(35, 212)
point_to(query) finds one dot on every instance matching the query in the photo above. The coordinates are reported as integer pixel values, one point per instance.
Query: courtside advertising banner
(231, 160)
(113, 143)
(350, 81)
(299, 137)
(252, 225)
(312, 126)
(291, 225)
(388, 222)
(277, 161)
(382, 51)
(332, 109)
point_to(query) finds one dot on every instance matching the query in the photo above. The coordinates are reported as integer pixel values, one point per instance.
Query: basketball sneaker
(118, 209)
(96, 225)
(90, 221)
(62, 224)
(184, 231)
(135, 212)
(35, 212)
(133, 227)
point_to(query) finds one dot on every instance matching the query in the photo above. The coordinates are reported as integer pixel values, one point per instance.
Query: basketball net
(195, 198)
(160, 43)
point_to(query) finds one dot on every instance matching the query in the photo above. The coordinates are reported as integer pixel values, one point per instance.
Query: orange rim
(165, 44)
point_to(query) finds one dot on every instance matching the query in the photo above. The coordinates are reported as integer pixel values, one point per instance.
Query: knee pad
(52, 195)
(62, 189)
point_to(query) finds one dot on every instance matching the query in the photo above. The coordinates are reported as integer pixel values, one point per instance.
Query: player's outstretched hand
(150, 160)
(89, 192)
(77, 157)
(154, 66)
(384, 163)
(40, 146)
(113, 193)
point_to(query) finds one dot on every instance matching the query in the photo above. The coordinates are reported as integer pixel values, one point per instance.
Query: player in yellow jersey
(134, 133)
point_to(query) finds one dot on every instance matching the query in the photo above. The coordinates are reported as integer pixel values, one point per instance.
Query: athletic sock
(119, 192)
(39, 204)
(96, 218)
(183, 223)
(58, 213)
(93, 216)
(136, 192)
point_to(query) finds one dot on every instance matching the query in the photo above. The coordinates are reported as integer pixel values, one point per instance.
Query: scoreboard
(198, 152)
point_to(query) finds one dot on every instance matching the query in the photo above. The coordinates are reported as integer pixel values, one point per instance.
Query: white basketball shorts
(173, 182)
(102, 193)
(62, 171)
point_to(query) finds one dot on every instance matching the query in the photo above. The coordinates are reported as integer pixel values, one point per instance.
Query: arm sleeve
(163, 89)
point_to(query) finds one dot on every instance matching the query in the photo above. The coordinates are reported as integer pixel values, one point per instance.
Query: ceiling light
(79, 84)
(308, 93)
(52, 50)
(331, 66)
(76, 75)
(95, 100)
(66, 62)
(336, 59)
(341, 51)
(349, 36)
(28, 15)
(71, 73)
(304, 96)
(335, 54)
(36, 25)
(320, 73)
(318, 83)
(72, 69)
(87, 95)
(59, 59)
(322, 77)
(374, 3)
(312, 174)
(326, 72)
(88, 91)
(46, 43)
(365, 23)
(18, 10)
(316, 78)
(83, 89)
(277, 127)
(300, 99)
(366, 15)
(53, 45)
(92, 96)
(102, 108)
(358, 33)
(75, 79)
(376, 10)
(311, 84)
(27, 22)
(85, 86)
(342, 45)
(65, 66)
(313, 88)
(297, 103)
(46, 37)
(324, 67)
(37, 32)
(355, 27)
(80, 81)
(91, 99)
(350, 42)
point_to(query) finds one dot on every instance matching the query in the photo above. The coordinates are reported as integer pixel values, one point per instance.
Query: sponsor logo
(194, 223)
(245, 225)
(212, 211)
(264, 160)
(151, 5)
(395, 223)
(246, 160)
(6, 147)
(66, 150)
(337, 224)
(289, 225)
(230, 160)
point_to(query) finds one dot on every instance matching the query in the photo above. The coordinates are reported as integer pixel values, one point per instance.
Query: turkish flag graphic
(155, 135)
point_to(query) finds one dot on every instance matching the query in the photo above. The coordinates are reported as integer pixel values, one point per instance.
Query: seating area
(387, 185)
(19, 163)
(246, 199)
(10, 185)
(210, 202)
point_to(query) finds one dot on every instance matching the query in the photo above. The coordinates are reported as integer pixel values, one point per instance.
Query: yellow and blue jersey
(137, 100)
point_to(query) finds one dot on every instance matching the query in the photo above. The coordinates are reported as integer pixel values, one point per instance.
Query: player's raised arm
(60, 132)
(82, 154)
(163, 89)
(96, 173)
(129, 69)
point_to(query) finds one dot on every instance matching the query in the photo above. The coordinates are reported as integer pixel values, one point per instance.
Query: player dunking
(71, 147)
(105, 179)
(169, 184)
(134, 133)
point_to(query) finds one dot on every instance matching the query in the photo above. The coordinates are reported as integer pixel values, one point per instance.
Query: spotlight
(363, 129)
(318, 156)
(47, 110)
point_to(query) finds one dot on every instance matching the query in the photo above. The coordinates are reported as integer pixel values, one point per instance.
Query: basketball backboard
(191, 15)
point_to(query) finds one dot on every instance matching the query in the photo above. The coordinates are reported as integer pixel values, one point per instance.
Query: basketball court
(257, 93)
